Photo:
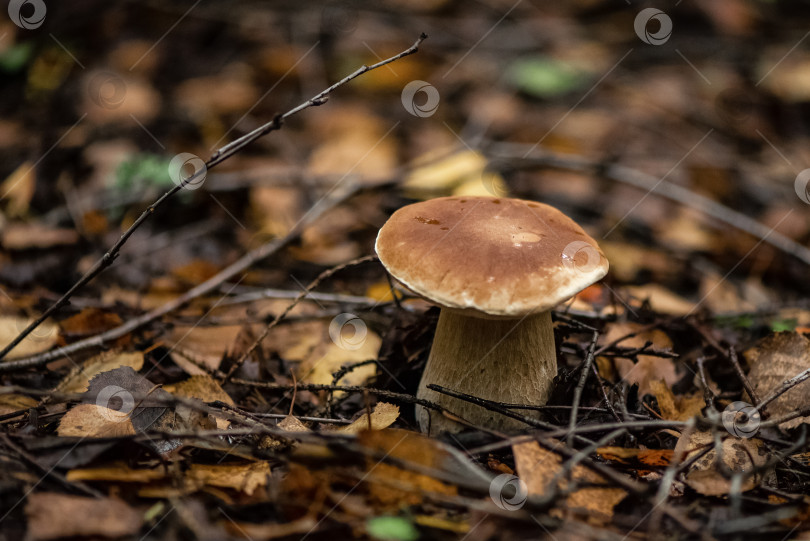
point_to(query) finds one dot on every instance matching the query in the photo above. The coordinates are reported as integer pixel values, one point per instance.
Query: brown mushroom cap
(489, 257)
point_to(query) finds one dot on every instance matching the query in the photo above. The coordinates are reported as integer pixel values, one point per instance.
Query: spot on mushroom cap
(489, 256)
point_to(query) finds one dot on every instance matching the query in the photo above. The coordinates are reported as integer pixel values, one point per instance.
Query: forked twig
(219, 156)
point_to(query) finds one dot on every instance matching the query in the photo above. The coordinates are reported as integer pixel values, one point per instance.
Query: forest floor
(240, 366)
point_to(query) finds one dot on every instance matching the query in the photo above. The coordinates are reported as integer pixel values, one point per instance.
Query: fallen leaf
(15, 402)
(92, 421)
(18, 189)
(648, 457)
(117, 471)
(773, 360)
(383, 416)
(79, 377)
(411, 447)
(738, 454)
(41, 339)
(36, 236)
(204, 388)
(343, 341)
(56, 516)
(205, 346)
(676, 408)
(88, 322)
(358, 149)
(648, 368)
(244, 477)
(537, 468)
(460, 173)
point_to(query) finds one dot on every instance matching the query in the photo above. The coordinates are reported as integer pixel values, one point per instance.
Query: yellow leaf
(79, 378)
(92, 421)
(383, 416)
(18, 189)
(443, 173)
(41, 339)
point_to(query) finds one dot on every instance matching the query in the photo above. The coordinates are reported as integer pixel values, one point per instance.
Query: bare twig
(783, 388)
(219, 156)
(516, 153)
(732, 356)
(321, 277)
(583, 377)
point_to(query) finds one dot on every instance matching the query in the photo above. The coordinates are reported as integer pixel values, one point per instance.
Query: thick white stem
(503, 360)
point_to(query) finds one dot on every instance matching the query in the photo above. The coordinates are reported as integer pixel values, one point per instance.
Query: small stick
(732, 356)
(321, 277)
(219, 156)
(784, 387)
(583, 376)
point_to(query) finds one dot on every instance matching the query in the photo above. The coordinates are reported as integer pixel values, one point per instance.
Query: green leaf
(780, 325)
(392, 529)
(16, 57)
(544, 77)
(150, 169)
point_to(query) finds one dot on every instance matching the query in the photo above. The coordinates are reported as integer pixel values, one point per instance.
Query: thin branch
(219, 156)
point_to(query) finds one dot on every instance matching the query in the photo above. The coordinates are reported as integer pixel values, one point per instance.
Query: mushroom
(496, 267)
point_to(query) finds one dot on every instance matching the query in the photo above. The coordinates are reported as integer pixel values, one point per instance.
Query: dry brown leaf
(649, 457)
(205, 388)
(411, 447)
(28, 236)
(15, 402)
(777, 358)
(56, 516)
(18, 189)
(195, 272)
(358, 149)
(204, 345)
(230, 91)
(661, 299)
(289, 424)
(115, 97)
(738, 454)
(648, 368)
(321, 356)
(92, 421)
(41, 339)
(537, 467)
(383, 416)
(274, 210)
(88, 322)
(245, 478)
(676, 408)
(78, 379)
(117, 471)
